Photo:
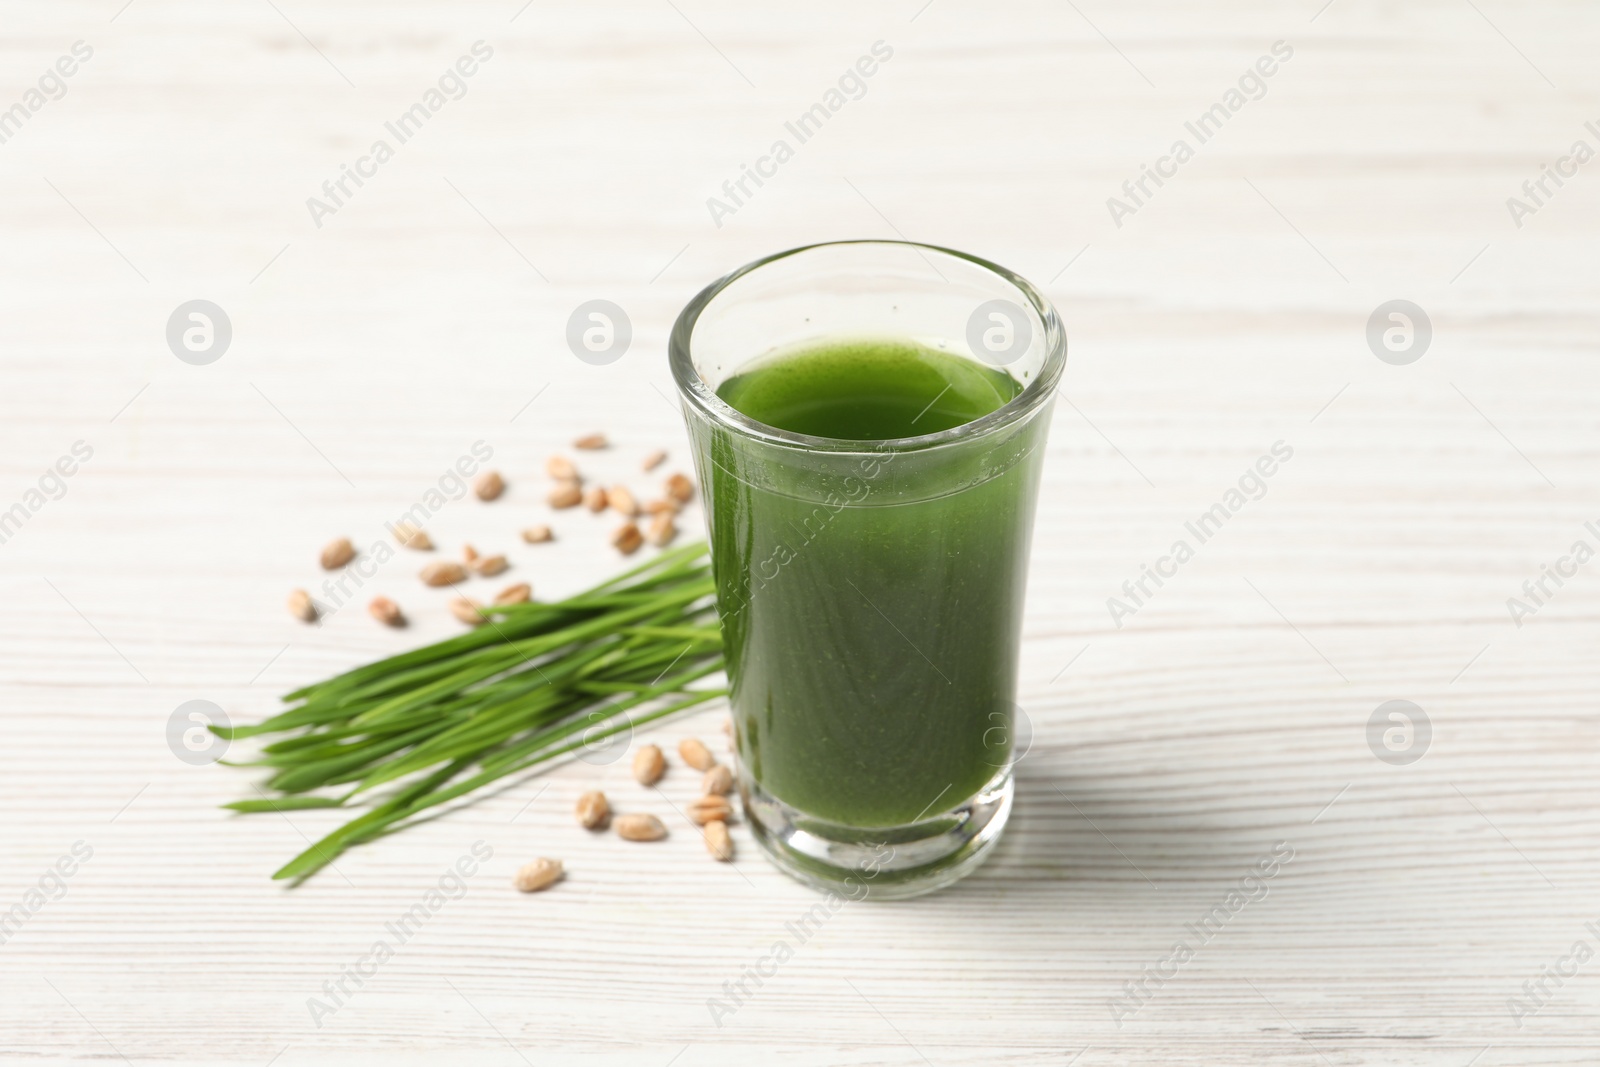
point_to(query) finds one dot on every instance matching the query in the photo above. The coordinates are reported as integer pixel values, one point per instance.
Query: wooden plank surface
(1170, 754)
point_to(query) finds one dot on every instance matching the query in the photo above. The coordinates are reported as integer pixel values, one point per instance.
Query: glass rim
(693, 387)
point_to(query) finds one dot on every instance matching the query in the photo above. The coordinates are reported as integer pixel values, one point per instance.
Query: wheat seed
(592, 810)
(540, 874)
(489, 485)
(680, 488)
(520, 593)
(718, 781)
(627, 539)
(661, 530)
(696, 754)
(489, 566)
(337, 553)
(444, 572)
(467, 611)
(649, 765)
(711, 809)
(301, 606)
(622, 501)
(410, 535)
(386, 611)
(639, 828)
(718, 843)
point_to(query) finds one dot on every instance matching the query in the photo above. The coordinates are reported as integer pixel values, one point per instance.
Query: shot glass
(871, 592)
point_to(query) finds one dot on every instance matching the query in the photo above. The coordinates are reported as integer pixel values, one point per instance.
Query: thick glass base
(881, 863)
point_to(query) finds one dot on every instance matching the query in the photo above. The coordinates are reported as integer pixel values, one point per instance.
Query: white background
(1228, 714)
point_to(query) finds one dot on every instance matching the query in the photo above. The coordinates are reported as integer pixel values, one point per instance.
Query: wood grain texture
(1169, 754)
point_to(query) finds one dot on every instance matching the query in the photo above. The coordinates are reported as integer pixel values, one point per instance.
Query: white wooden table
(1228, 714)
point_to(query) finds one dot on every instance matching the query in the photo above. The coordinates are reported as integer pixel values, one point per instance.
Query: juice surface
(868, 390)
(871, 601)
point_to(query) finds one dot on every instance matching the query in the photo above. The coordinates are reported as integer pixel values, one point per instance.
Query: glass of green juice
(868, 420)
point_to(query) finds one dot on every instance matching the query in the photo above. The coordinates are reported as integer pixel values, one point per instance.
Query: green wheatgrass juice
(871, 617)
